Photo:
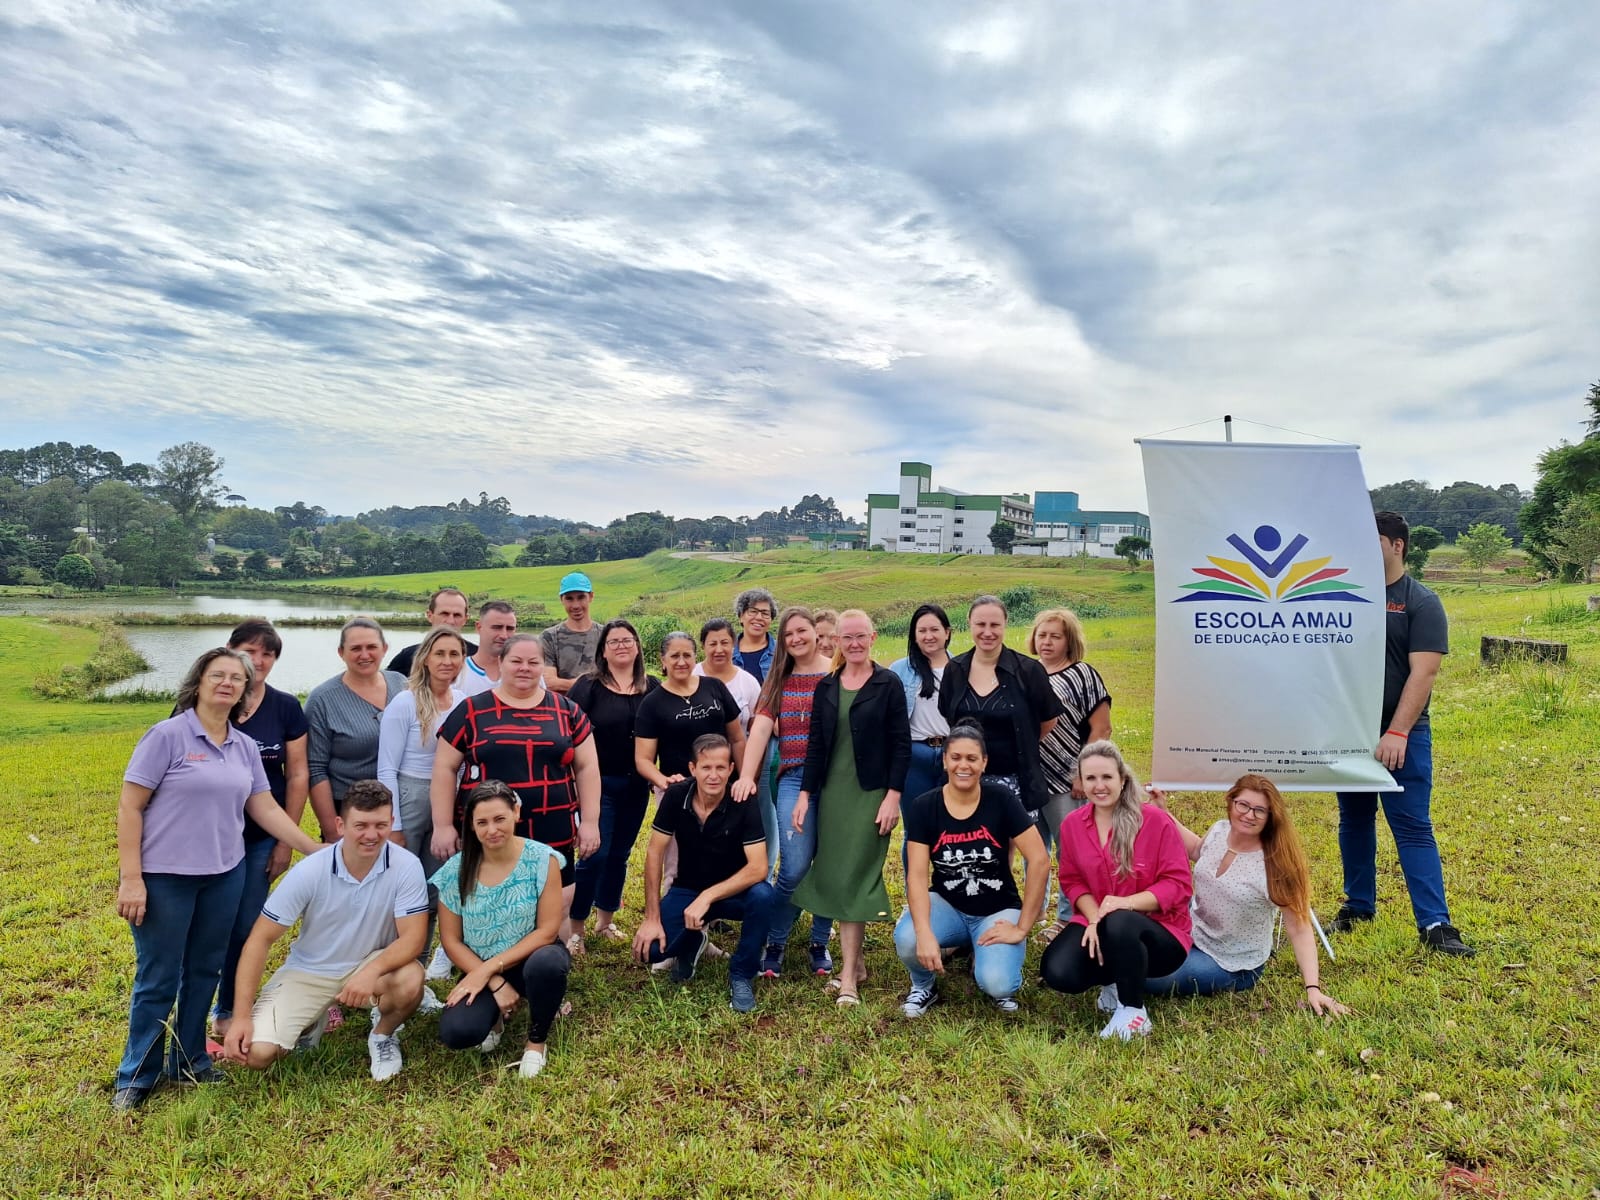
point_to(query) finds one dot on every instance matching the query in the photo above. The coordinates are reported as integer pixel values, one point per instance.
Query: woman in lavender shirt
(180, 851)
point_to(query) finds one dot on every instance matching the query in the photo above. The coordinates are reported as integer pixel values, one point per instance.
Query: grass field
(1452, 1078)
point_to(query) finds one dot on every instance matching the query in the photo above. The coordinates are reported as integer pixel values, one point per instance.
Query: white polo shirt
(472, 680)
(344, 919)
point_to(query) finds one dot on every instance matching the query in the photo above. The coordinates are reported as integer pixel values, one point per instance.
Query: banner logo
(1269, 570)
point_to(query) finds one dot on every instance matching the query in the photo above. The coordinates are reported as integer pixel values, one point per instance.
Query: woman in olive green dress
(856, 763)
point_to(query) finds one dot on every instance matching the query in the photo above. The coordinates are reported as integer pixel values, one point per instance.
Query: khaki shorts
(293, 1001)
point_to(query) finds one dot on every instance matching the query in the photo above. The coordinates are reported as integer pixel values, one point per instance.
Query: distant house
(922, 519)
(1065, 529)
(919, 519)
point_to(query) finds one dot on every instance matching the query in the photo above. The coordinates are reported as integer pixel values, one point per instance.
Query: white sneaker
(1108, 1002)
(1007, 1004)
(489, 1043)
(384, 1051)
(377, 1016)
(920, 1001)
(532, 1063)
(666, 964)
(714, 951)
(439, 966)
(1127, 1023)
(430, 1002)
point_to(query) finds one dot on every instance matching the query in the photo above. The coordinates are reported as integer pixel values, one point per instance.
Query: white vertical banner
(1270, 616)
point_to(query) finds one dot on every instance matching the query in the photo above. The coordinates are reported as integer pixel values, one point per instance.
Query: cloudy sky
(706, 256)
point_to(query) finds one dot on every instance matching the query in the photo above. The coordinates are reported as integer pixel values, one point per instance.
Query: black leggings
(1134, 947)
(541, 979)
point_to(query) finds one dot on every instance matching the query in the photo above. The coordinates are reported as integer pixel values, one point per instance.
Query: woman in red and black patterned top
(535, 741)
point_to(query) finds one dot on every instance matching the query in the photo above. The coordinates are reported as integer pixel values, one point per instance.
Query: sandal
(611, 931)
(1052, 931)
(846, 999)
(575, 945)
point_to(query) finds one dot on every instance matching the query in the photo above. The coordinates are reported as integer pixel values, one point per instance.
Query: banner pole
(1227, 427)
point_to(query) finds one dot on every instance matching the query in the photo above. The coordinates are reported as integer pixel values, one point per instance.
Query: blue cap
(575, 581)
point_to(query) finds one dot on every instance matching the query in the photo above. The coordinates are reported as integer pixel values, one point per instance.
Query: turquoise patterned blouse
(494, 919)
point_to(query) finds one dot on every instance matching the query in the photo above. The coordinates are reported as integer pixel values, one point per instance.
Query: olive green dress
(845, 881)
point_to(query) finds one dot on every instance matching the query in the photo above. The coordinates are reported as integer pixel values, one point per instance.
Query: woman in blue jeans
(959, 889)
(784, 710)
(921, 671)
(1248, 868)
(610, 694)
(180, 854)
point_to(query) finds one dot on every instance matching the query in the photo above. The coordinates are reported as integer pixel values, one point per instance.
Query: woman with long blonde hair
(1125, 873)
(1248, 868)
(408, 732)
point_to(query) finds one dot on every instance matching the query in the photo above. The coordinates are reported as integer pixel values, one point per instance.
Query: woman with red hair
(1248, 868)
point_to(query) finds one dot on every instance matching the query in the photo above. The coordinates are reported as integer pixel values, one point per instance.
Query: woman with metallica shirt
(278, 724)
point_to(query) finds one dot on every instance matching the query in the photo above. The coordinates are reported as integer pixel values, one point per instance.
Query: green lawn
(1453, 1078)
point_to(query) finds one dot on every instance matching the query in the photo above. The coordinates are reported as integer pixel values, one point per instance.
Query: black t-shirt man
(1416, 624)
(712, 852)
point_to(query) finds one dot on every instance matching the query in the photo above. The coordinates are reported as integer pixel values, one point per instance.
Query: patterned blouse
(494, 919)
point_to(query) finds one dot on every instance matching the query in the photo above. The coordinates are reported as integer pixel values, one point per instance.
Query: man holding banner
(1418, 639)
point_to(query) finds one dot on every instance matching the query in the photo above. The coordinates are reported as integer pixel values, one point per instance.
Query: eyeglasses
(224, 677)
(855, 639)
(619, 643)
(759, 612)
(1253, 810)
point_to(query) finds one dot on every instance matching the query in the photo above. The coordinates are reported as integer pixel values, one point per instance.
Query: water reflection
(309, 655)
(273, 607)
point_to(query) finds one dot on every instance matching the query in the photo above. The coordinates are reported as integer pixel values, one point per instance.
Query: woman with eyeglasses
(611, 694)
(181, 862)
(855, 769)
(755, 610)
(1248, 868)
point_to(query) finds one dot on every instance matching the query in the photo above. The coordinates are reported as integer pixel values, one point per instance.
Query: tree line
(83, 517)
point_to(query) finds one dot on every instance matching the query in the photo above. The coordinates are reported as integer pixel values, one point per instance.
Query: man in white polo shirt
(362, 904)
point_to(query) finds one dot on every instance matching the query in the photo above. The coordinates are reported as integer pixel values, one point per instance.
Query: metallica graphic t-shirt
(971, 858)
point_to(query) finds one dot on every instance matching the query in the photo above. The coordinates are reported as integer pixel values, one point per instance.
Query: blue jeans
(178, 953)
(1200, 975)
(251, 898)
(925, 773)
(997, 968)
(752, 908)
(798, 849)
(1409, 822)
(601, 876)
(766, 785)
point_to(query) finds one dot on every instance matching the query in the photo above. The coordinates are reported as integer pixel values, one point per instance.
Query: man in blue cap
(570, 646)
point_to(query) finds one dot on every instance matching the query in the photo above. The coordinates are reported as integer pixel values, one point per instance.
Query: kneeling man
(722, 873)
(362, 904)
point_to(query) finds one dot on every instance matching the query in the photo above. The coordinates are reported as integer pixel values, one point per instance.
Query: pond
(275, 607)
(309, 655)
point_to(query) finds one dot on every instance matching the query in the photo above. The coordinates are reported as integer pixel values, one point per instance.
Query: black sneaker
(208, 1075)
(1446, 939)
(129, 1098)
(1344, 921)
(683, 967)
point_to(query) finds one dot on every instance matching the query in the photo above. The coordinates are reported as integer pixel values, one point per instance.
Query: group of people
(490, 794)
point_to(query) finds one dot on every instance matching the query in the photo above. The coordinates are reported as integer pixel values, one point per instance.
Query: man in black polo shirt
(722, 874)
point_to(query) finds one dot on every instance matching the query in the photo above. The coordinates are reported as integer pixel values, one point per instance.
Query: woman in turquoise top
(501, 926)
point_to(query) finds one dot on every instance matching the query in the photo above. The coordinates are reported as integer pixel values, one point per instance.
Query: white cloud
(705, 258)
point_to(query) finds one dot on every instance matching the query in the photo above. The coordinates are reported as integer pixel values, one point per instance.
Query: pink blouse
(1160, 867)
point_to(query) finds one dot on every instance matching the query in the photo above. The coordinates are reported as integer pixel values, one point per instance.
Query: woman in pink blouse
(1125, 873)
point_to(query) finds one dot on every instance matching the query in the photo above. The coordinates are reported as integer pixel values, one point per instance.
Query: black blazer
(879, 728)
(1039, 703)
